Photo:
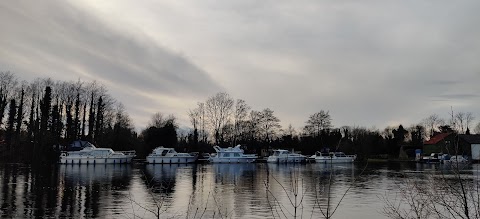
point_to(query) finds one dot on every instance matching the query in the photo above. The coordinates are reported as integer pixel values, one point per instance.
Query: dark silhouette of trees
(318, 122)
(91, 118)
(432, 124)
(11, 122)
(8, 81)
(218, 109)
(269, 125)
(99, 120)
(160, 133)
(19, 118)
(54, 118)
(418, 134)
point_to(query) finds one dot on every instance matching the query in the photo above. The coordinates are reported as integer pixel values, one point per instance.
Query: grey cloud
(67, 40)
(370, 63)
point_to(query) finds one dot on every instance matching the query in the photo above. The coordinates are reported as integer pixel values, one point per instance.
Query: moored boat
(333, 157)
(93, 155)
(285, 156)
(161, 155)
(456, 159)
(231, 155)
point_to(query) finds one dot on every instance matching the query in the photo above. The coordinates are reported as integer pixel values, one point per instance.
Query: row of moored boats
(161, 155)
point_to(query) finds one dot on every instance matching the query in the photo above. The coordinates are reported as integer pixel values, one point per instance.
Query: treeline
(222, 120)
(45, 116)
(38, 119)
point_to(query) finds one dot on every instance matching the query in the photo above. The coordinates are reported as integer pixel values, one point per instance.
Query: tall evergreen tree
(84, 119)
(45, 113)
(19, 117)
(11, 122)
(56, 126)
(45, 110)
(91, 120)
(31, 121)
(99, 119)
(69, 125)
(76, 123)
(3, 103)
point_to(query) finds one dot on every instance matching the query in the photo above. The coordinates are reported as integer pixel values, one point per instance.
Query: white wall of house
(475, 151)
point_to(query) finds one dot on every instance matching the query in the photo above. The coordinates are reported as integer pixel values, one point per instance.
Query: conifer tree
(19, 117)
(11, 122)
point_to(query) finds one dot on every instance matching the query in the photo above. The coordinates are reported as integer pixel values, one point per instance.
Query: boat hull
(275, 159)
(170, 160)
(94, 160)
(232, 160)
(335, 160)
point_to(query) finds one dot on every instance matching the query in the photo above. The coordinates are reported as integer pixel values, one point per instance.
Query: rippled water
(204, 190)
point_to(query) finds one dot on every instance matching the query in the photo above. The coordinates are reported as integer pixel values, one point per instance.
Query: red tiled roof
(437, 138)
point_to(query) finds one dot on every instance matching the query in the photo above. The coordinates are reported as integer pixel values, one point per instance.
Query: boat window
(226, 155)
(236, 155)
(276, 153)
(164, 152)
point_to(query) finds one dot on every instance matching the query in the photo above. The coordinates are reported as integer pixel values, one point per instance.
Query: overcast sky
(370, 63)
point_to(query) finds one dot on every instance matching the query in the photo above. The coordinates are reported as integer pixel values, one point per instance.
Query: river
(256, 190)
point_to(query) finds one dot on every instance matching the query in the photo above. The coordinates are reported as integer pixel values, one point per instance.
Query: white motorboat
(93, 155)
(333, 157)
(231, 155)
(456, 159)
(161, 155)
(285, 156)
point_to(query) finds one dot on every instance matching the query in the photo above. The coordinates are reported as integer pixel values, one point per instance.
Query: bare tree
(477, 128)
(468, 119)
(8, 82)
(317, 122)
(254, 124)
(290, 131)
(241, 112)
(432, 123)
(460, 121)
(451, 196)
(463, 121)
(197, 119)
(194, 116)
(218, 109)
(157, 120)
(270, 124)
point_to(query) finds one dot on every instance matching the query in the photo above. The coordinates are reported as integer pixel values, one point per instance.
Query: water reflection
(60, 191)
(211, 190)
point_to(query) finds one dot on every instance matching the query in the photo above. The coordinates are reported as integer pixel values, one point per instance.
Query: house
(472, 142)
(439, 143)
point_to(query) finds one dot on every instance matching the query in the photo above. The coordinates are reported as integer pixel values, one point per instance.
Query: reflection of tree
(162, 178)
(290, 188)
(450, 194)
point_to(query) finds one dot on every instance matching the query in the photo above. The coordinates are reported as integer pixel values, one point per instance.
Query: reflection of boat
(93, 155)
(231, 155)
(333, 157)
(85, 174)
(163, 155)
(233, 172)
(285, 156)
(167, 173)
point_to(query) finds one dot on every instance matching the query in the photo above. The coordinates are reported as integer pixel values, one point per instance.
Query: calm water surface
(204, 190)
